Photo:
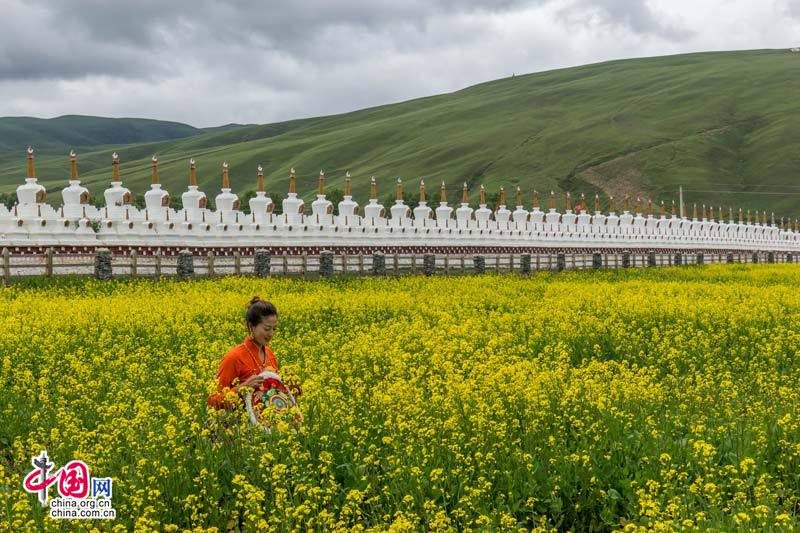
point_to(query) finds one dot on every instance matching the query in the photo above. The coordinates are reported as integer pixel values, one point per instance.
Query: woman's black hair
(258, 309)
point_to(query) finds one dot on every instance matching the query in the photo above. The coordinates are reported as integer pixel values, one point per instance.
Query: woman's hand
(253, 381)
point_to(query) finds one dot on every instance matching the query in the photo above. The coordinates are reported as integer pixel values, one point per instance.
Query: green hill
(62, 133)
(724, 125)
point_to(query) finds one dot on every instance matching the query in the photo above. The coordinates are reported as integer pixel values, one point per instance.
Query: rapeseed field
(664, 399)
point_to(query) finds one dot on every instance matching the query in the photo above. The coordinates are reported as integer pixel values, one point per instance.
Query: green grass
(725, 123)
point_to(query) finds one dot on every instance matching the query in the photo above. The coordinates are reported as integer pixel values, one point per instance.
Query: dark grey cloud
(209, 62)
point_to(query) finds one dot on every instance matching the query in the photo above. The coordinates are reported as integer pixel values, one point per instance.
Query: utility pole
(680, 199)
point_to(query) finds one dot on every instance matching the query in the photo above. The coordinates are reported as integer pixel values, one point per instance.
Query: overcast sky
(254, 61)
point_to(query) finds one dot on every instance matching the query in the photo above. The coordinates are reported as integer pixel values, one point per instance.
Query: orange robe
(241, 361)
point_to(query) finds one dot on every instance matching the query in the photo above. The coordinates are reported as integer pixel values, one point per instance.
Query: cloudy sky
(253, 61)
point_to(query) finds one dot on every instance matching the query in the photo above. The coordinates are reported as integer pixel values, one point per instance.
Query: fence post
(261, 263)
(158, 264)
(463, 264)
(102, 264)
(700, 259)
(6, 267)
(771, 257)
(396, 263)
(496, 264)
(446, 264)
(326, 264)
(378, 264)
(344, 263)
(729, 258)
(185, 269)
(210, 256)
(237, 264)
(678, 259)
(134, 264)
(304, 264)
(651, 259)
(48, 262)
(479, 264)
(285, 263)
(525, 264)
(561, 262)
(413, 263)
(789, 257)
(361, 264)
(597, 260)
(428, 264)
(626, 259)
(755, 257)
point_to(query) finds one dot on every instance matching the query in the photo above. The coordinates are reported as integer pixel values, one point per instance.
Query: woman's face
(264, 330)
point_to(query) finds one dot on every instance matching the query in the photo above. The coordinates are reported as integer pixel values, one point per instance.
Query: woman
(241, 366)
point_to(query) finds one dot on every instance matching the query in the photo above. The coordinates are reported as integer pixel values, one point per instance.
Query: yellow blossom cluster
(616, 400)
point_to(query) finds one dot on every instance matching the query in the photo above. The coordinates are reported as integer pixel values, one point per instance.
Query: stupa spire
(442, 193)
(552, 200)
(291, 181)
(568, 202)
(373, 189)
(535, 199)
(465, 194)
(226, 180)
(347, 183)
(192, 174)
(115, 167)
(694, 211)
(519, 196)
(483, 196)
(321, 182)
(626, 205)
(638, 204)
(613, 208)
(260, 179)
(31, 170)
(502, 199)
(596, 203)
(421, 191)
(154, 179)
(398, 193)
(73, 163)
(663, 211)
(650, 207)
(673, 208)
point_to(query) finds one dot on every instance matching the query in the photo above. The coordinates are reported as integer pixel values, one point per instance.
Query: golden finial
(740, 215)
(663, 211)
(772, 217)
(763, 217)
(638, 204)
(673, 209)
(73, 163)
(705, 217)
(730, 215)
(115, 167)
(535, 199)
(291, 181)
(483, 196)
(613, 204)
(748, 216)
(260, 178)
(421, 191)
(711, 213)
(321, 182)
(442, 194)
(694, 211)
(398, 193)
(373, 189)
(226, 180)
(154, 172)
(519, 196)
(502, 199)
(465, 194)
(626, 203)
(781, 224)
(568, 202)
(649, 207)
(192, 173)
(583, 202)
(596, 203)
(552, 200)
(31, 169)
(347, 183)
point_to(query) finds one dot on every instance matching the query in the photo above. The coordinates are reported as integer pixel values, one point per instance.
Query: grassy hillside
(62, 133)
(724, 125)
